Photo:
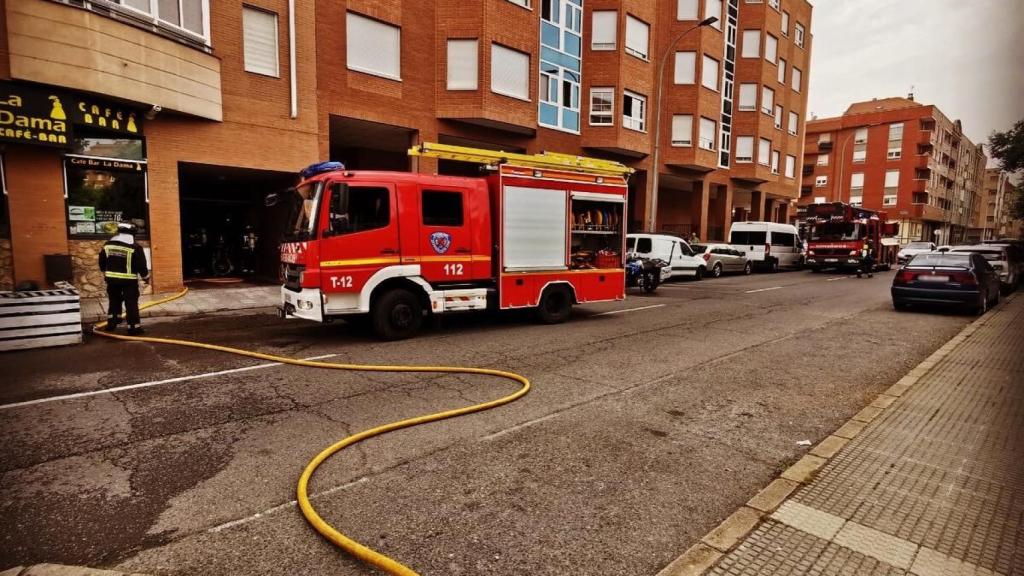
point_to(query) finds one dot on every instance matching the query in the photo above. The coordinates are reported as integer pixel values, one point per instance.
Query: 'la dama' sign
(33, 117)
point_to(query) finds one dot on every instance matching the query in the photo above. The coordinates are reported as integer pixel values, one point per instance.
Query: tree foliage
(1008, 149)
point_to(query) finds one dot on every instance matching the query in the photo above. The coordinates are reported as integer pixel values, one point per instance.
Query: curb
(60, 570)
(703, 555)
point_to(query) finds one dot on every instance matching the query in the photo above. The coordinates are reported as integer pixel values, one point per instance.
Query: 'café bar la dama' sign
(31, 115)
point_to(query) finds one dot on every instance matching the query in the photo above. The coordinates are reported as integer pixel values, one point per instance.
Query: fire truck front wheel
(396, 314)
(555, 305)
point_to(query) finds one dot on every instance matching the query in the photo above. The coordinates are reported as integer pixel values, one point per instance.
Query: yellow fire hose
(349, 545)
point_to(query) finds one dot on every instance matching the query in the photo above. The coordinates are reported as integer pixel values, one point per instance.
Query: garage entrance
(228, 234)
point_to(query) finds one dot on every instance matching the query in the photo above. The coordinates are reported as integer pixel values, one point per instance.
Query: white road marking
(836, 278)
(149, 384)
(763, 289)
(288, 504)
(630, 310)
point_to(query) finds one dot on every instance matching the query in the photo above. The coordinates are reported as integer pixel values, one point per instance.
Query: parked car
(768, 245)
(913, 249)
(722, 258)
(960, 279)
(1003, 258)
(681, 260)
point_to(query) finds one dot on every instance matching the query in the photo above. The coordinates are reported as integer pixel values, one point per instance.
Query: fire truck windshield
(837, 232)
(304, 222)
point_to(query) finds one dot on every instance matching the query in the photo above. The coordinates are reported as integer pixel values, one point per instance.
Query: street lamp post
(653, 214)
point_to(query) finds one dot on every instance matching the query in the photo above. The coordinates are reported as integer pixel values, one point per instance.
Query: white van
(769, 245)
(672, 249)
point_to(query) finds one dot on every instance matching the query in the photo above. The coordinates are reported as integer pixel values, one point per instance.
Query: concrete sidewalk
(197, 301)
(928, 480)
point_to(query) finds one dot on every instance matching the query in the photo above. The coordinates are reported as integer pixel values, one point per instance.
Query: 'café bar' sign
(32, 115)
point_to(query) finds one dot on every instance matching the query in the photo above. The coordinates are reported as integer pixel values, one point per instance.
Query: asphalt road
(644, 429)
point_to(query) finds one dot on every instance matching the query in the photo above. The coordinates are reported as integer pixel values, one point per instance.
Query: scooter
(644, 273)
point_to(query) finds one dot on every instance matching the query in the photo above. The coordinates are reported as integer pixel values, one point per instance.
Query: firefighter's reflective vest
(122, 261)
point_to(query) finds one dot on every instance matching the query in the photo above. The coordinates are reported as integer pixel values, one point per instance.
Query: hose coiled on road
(354, 548)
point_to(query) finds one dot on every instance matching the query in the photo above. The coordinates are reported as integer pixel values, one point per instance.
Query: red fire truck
(837, 233)
(541, 231)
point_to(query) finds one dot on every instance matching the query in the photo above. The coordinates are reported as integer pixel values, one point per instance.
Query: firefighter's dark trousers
(124, 293)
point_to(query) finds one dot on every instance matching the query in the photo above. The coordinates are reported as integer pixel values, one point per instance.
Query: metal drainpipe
(292, 75)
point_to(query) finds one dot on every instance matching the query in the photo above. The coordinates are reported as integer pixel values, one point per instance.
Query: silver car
(722, 258)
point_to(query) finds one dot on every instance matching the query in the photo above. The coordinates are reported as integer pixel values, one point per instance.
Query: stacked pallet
(40, 318)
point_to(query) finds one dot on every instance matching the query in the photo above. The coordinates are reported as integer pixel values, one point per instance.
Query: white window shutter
(790, 166)
(892, 178)
(605, 27)
(510, 70)
(686, 68)
(745, 148)
(709, 73)
(771, 48)
(637, 36)
(748, 96)
(462, 65)
(857, 180)
(259, 41)
(686, 10)
(682, 130)
(373, 47)
(751, 43)
(764, 150)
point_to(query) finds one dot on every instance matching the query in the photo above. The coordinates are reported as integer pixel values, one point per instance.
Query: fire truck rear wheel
(397, 314)
(555, 305)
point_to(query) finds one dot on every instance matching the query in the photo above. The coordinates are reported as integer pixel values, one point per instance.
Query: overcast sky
(964, 56)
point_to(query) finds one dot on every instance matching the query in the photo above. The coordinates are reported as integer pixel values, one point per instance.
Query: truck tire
(555, 305)
(396, 315)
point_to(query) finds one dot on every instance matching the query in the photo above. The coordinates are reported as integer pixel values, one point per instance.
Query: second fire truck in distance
(543, 231)
(837, 232)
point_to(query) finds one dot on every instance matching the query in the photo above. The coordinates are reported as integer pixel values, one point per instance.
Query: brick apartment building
(993, 216)
(180, 116)
(897, 155)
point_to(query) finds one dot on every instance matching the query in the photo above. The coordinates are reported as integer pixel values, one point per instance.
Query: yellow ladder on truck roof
(549, 160)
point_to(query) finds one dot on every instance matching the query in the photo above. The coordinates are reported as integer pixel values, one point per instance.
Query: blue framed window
(561, 64)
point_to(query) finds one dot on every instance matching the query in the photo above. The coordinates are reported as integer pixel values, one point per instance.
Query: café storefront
(73, 167)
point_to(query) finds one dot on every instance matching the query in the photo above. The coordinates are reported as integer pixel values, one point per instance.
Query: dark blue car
(958, 279)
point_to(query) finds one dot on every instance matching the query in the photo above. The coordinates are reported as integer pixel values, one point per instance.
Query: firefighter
(867, 259)
(123, 263)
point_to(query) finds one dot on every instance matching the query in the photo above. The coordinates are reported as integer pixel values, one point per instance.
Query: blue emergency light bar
(320, 168)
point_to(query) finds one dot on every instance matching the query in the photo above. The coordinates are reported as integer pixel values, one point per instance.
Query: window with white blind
(373, 47)
(778, 116)
(790, 166)
(682, 130)
(857, 183)
(891, 199)
(605, 30)
(782, 72)
(744, 149)
(602, 106)
(785, 23)
(510, 71)
(856, 200)
(708, 127)
(709, 73)
(819, 199)
(798, 78)
(767, 100)
(462, 64)
(822, 159)
(637, 36)
(860, 145)
(748, 97)
(751, 44)
(713, 8)
(686, 9)
(259, 42)
(794, 123)
(771, 48)
(775, 161)
(895, 141)
(764, 151)
(686, 68)
(821, 181)
(860, 136)
(634, 111)
(892, 181)
(799, 35)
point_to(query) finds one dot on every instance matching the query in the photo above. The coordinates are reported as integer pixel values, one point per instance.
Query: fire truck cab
(391, 248)
(838, 233)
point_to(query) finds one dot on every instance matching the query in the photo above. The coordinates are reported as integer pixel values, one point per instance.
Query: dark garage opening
(227, 231)
(365, 145)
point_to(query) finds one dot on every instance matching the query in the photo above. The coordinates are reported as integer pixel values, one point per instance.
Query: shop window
(5, 220)
(358, 208)
(101, 193)
(442, 208)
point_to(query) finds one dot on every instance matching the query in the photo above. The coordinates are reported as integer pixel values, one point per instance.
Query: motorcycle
(644, 273)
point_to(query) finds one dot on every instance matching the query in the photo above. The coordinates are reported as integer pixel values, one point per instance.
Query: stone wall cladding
(6, 265)
(85, 267)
